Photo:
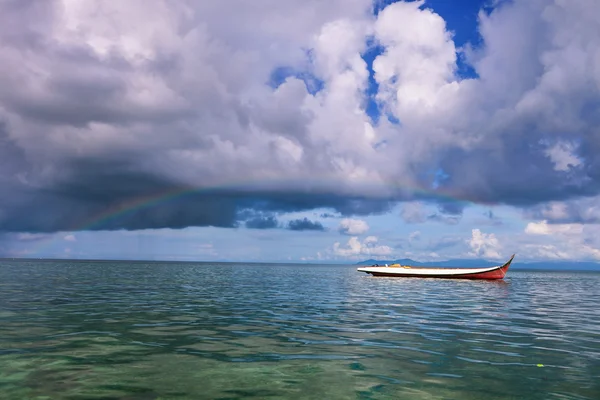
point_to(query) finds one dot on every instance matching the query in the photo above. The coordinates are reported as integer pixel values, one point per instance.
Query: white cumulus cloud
(563, 241)
(368, 247)
(484, 245)
(353, 227)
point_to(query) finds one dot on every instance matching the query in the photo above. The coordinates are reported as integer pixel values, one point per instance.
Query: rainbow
(141, 202)
(155, 199)
(130, 206)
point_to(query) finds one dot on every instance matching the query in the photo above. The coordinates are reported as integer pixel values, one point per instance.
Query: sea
(152, 330)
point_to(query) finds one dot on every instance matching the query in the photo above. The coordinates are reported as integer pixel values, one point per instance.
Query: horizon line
(521, 264)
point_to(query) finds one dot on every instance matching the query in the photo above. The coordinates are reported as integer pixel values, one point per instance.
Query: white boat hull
(496, 272)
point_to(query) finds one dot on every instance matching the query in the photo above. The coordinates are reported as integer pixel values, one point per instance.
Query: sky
(300, 130)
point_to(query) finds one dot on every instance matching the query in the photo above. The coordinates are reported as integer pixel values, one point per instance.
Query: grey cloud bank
(102, 103)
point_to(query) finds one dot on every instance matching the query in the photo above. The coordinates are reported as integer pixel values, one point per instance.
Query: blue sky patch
(279, 75)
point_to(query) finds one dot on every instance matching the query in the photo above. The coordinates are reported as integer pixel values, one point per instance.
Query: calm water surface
(118, 330)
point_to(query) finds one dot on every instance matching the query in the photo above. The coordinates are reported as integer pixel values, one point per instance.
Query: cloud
(206, 249)
(443, 218)
(417, 69)
(70, 238)
(30, 237)
(448, 213)
(490, 218)
(543, 228)
(103, 117)
(328, 215)
(414, 236)
(564, 241)
(583, 210)
(254, 220)
(266, 222)
(353, 227)
(563, 155)
(544, 63)
(413, 213)
(305, 225)
(484, 245)
(368, 247)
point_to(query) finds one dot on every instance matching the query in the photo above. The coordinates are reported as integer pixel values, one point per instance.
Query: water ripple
(151, 330)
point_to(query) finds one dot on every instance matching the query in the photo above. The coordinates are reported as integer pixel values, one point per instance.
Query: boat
(407, 271)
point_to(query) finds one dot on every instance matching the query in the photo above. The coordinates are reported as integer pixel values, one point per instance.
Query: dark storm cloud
(107, 208)
(110, 194)
(268, 222)
(517, 173)
(105, 195)
(292, 201)
(90, 136)
(12, 157)
(329, 215)
(305, 224)
(47, 212)
(584, 211)
(452, 207)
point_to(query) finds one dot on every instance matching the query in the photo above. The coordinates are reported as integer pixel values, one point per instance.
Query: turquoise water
(118, 330)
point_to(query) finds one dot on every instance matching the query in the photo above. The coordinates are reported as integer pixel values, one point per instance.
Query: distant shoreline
(580, 266)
